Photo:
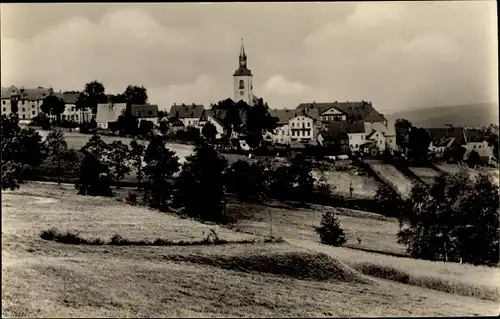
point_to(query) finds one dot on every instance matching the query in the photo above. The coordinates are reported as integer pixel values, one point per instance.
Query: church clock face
(242, 92)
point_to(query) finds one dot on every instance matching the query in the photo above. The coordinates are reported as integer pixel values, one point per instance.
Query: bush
(330, 231)
(131, 198)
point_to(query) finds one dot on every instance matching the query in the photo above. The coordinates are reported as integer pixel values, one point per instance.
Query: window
(479, 146)
(380, 142)
(293, 124)
(474, 146)
(3, 102)
(33, 112)
(23, 102)
(24, 116)
(24, 110)
(242, 85)
(33, 106)
(293, 133)
(4, 109)
(308, 124)
(356, 145)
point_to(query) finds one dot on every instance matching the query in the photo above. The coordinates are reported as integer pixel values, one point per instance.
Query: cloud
(281, 86)
(396, 54)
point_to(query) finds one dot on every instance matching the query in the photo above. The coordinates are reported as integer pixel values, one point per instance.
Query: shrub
(131, 198)
(330, 231)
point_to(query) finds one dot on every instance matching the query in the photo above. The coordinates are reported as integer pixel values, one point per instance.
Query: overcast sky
(399, 55)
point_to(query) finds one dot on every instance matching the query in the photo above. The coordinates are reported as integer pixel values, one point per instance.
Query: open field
(378, 233)
(426, 174)
(48, 279)
(393, 177)
(364, 186)
(78, 140)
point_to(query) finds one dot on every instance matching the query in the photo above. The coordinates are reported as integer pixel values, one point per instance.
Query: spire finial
(242, 50)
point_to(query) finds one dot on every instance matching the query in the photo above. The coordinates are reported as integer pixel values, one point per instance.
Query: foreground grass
(459, 279)
(50, 279)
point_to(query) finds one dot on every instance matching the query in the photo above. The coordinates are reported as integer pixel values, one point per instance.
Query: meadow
(392, 176)
(43, 278)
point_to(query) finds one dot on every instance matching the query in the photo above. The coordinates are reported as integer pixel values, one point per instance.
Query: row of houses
(29, 102)
(444, 139)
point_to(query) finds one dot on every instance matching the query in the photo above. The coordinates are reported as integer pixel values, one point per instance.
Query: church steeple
(243, 56)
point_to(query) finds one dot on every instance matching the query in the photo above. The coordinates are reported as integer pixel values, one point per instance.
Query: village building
(189, 115)
(109, 113)
(29, 101)
(209, 116)
(145, 112)
(71, 113)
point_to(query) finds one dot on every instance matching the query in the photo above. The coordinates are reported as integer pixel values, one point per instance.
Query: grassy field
(364, 186)
(393, 177)
(426, 174)
(48, 279)
(378, 234)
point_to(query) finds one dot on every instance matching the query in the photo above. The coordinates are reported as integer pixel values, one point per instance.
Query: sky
(398, 55)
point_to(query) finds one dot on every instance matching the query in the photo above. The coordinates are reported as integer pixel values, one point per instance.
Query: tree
(246, 180)
(94, 93)
(94, 177)
(135, 94)
(389, 202)
(474, 159)
(14, 100)
(209, 131)
(456, 218)
(53, 105)
(258, 121)
(137, 155)
(56, 150)
(330, 231)
(301, 177)
(127, 124)
(231, 115)
(161, 165)
(96, 146)
(200, 186)
(146, 128)
(419, 142)
(403, 128)
(118, 161)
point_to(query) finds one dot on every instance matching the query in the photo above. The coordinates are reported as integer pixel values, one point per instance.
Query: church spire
(243, 56)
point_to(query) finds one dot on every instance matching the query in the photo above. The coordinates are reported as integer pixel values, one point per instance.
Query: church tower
(243, 87)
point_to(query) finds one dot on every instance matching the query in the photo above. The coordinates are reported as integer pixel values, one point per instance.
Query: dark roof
(26, 94)
(358, 111)
(68, 97)
(144, 110)
(286, 115)
(474, 135)
(186, 111)
(438, 134)
(243, 71)
(338, 129)
(7, 92)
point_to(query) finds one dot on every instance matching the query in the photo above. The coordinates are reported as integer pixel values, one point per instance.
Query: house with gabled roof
(190, 115)
(145, 112)
(345, 111)
(210, 116)
(294, 126)
(29, 100)
(71, 113)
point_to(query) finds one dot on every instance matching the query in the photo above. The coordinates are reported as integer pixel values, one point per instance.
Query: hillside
(459, 115)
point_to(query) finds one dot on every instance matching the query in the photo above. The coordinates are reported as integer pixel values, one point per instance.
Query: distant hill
(458, 115)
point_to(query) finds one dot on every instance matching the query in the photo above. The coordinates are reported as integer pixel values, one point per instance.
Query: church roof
(358, 111)
(186, 111)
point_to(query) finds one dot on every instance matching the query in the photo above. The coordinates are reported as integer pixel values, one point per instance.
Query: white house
(333, 114)
(294, 125)
(190, 115)
(210, 117)
(108, 113)
(145, 112)
(385, 134)
(71, 113)
(29, 101)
